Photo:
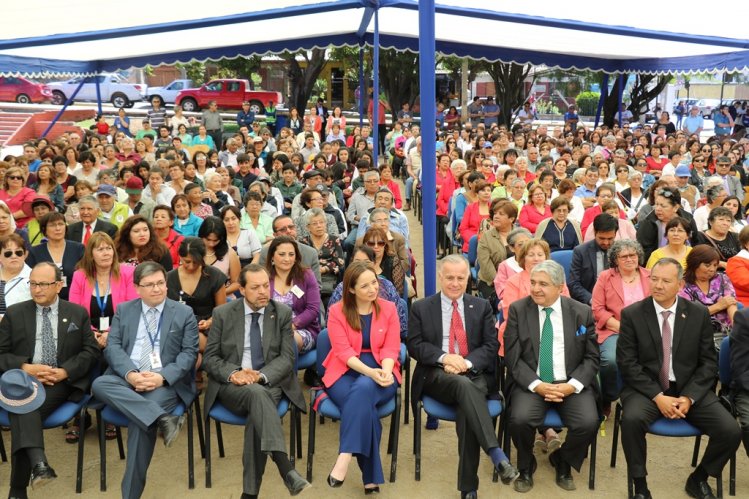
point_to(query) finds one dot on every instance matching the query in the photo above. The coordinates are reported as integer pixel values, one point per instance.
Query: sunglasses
(376, 244)
(15, 177)
(9, 253)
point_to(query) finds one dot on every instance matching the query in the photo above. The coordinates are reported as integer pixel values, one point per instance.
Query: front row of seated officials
(665, 355)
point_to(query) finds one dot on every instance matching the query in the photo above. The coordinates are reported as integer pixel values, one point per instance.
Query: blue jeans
(609, 373)
(409, 188)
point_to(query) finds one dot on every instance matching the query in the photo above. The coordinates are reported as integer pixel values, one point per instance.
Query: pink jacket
(626, 231)
(530, 217)
(505, 270)
(123, 290)
(346, 342)
(471, 223)
(517, 287)
(608, 299)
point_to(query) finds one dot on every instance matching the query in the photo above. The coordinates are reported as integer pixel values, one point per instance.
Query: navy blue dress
(357, 396)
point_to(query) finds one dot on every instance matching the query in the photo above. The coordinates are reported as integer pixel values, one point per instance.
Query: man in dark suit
(50, 339)
(452, 337)
(740, 371)
(590, 259)
(667, 360)
(552, 360)
(151, 350)
(249, 359)
(90, 223)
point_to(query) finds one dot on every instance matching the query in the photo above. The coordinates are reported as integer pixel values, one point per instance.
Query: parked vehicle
(112, 88)
(23, 91)
(168, 94)
(707, 106)
(228, 94)
(688, 103)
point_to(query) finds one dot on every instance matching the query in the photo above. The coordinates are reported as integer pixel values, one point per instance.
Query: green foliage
(241, 67)
(587, 103)
(546, 107)
(319, 90)
(195, 71)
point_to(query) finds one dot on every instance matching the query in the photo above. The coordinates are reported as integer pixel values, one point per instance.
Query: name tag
(104, 324)
(155, 361)
(297, 291)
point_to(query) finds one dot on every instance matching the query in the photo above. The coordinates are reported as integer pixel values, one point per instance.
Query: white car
(168, 94)
(112, 89)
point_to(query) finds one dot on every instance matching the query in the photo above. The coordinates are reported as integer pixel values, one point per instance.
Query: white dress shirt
(53, 315)
(141, 337)
(671, 322)
(447, 318)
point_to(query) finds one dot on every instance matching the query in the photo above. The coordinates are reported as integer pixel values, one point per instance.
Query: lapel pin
(470, 306)
(683, 316)
(64, 320)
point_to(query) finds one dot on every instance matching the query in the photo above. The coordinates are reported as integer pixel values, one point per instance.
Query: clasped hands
(552, 392)
(245, 377)
(382, 377)
(46, 374)
(145, 381)
(453, 363)
(673, 407)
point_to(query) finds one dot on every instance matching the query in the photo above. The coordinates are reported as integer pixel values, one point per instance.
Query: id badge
(104, 324)
(155, 361)
(297, 291)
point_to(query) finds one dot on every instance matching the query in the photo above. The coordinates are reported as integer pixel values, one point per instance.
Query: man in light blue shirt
(694, 123)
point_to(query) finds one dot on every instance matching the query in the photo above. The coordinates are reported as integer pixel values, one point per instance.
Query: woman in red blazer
(535, 210)
(624, 283)
(361, 371)
(476, 213)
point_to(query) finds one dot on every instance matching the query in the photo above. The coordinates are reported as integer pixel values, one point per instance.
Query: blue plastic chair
(326, 408)
(563, 258)
(106, 414)
(724, 375)
(445, 412)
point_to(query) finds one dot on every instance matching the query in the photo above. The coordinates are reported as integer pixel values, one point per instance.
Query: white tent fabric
(83, 37)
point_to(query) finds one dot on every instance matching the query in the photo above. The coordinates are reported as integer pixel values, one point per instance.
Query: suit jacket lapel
(63, 323)
(166, 323)
(680, 322)
(651, 319)
(569, 326)
(617, 283)
(533, 327)
(270, 317)
(237, 317)
(469, 312)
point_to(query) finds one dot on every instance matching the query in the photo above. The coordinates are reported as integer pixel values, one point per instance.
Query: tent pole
(602, 99)
(362, 86)
(64, 107)
(620, 96)
(98, 95)
(376, 88)
(428, 152)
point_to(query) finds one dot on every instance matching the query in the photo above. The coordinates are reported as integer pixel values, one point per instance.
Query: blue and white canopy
(50, 37)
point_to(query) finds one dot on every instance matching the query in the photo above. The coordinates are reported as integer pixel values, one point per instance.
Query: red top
(471, 223)
(446, 185)
(530, 217)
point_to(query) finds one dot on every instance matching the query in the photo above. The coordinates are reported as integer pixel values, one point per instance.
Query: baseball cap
(107, 190)
(134, 185)
(682, 171)
(42, 200)
(487, 145)
(311, 174)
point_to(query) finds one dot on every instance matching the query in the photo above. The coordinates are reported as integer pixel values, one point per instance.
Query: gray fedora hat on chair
(20, 393)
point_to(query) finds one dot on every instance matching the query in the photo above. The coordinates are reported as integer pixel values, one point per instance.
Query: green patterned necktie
(546, 354)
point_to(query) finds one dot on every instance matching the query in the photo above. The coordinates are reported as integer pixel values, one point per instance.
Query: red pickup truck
(228, 94)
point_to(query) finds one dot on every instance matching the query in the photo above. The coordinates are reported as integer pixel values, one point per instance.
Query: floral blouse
(720, 285)
(330, 254)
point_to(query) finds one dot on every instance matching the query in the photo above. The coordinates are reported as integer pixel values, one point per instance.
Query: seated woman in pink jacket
(535, 210)
(625, 282)
(476, 212)
(361, 371)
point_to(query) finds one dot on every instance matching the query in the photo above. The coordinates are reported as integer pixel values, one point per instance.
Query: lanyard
(153, 338)
(102, 301)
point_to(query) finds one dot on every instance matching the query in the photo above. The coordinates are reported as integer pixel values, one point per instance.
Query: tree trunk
(640, 96)
(399, 78)
(509, 85)
(302, 79)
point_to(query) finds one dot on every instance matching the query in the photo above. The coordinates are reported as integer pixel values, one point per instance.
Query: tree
(399, 77)
(240, 67)
(509, 85)
(303, 76)
(194, 70)
(645, 89)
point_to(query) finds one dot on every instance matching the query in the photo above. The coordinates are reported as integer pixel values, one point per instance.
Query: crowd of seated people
(272, 217)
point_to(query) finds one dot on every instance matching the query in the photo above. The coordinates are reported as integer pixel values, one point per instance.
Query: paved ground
(668, 464)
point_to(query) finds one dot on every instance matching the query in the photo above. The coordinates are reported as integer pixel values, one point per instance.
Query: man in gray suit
(283, 225)
(249, 359)
(151, 349)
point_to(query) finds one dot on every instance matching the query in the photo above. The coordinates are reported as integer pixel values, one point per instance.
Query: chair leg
(120, 444)
(417, 441)
(407, 369)
(298, 423)
(311, 441)
(3, 455)
(592, 474)
(615, 439)
(199, 421)
(190, 451)
(102, 452)
(495, 473)
(207, 452)
(719, 488)
(696, 452)
(507, 446)
(79, 465)
(292, 436)
(395, 431)
(732, 476)
(630, 486)
(220, 440)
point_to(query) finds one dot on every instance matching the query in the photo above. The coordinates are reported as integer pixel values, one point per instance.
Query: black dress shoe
(645, 495)
(469, 495)
(524, 482)
(311, 378)
(563, 471)
(169, 427)
(334, 483)
(700, 490)
(41, 474)
(507, 472)
(372, 490)
(295, 483)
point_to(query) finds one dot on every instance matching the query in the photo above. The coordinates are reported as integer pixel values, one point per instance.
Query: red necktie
(666, 338)
(457, 333)
(87, 235)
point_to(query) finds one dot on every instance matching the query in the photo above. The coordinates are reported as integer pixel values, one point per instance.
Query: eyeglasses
(724, 164)
(376, 244)
(153, 286)
(629, 256)
(698, 161)
(15, 177)
(10, 253)
(41, 285)
(287, 228)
